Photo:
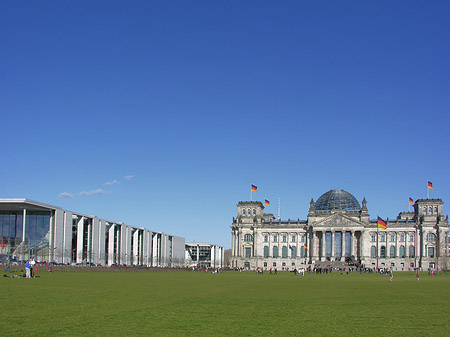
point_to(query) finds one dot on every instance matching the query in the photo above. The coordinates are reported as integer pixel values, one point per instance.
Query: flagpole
(377, 244)
(428, 192)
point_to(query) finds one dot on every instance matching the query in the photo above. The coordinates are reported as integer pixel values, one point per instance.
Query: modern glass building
(49, 233)
(204, 255)
(338, 230)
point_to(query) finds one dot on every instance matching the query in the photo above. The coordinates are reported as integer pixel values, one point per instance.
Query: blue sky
(162, 114)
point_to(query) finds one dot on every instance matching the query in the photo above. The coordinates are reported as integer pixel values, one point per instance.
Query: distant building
(49, 233)
(203, 255)
(338, 229)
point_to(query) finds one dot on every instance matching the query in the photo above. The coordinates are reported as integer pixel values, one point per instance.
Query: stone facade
(341, 231)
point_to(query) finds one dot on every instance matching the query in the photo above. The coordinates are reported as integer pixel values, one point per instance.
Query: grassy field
(181, 303)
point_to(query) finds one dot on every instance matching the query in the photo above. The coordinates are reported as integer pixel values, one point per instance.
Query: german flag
(305, 246)
(430, 185)
(254, 188)
(411, 201)
(381, 223)
(266, 202)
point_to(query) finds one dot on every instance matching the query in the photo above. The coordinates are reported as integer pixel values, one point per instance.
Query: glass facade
(37, 234)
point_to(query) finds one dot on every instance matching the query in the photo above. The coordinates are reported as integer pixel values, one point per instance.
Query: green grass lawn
(180, 303)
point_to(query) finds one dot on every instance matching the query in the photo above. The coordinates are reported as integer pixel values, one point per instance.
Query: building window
(303, 238)
(248, 238)
(402, 252)
(435, 211)
(275, 238)
(412, 252)
(425, 210)
(243, 212)
(392, 237)
(284, 252)
(254, 211)
(283, 264)
(302, 252)
(383, 238)
(248, 252)
(373, 252)
(284, 238)
(265, 264)
(266, 238)
(392, 264)
(266, 252)
(431, 237)
(383, 252)
(402, 237)
(430, 210)
(249, 212)
(430, 251)
(274, 264)
(392, 252)
(411, 238)
(293, 252)
(293, 264)
(411, 264)
(373, 238)
(275, 252)
(293, 238)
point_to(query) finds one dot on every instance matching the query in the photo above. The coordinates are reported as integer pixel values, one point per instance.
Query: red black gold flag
(266, 202)
(411, 201)
(254, 188)
(381, 223)
(430, 185)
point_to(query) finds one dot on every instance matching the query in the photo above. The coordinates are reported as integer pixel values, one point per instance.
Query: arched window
(435, 211)
(383, 252)
(243, 212)
(284, 252)
(402, 252)
(431, 237)
(294, 252)
(275, 252)
(249, 212)
(254, 211)
(412, 252)
(248, 238)
(430, 210)
(373, 252)
(425, 209)
(392, 251)
(266, 251)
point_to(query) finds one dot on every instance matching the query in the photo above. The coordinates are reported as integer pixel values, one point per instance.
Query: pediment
(339, 220)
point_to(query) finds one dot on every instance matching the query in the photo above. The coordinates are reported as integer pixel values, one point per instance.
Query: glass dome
(337, 200)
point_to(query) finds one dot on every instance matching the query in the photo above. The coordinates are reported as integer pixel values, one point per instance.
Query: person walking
(391, 274)
(418, 274)
(8, 264)
(27, 269)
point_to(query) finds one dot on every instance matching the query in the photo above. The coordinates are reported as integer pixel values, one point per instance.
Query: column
(233, 236)
(352, 243)
(324, 244)
(361, 245)
(343, 243)
(332, 244)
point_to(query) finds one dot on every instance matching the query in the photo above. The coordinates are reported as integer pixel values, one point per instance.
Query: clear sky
(161, 114)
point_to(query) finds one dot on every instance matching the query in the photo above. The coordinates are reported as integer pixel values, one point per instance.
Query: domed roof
(337, 200)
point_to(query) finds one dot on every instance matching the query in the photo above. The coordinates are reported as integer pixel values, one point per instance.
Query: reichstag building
(338, 229)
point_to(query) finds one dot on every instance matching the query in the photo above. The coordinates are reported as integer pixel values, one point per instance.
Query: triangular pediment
(339, 220)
